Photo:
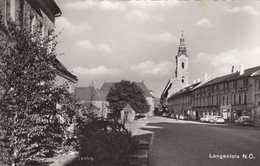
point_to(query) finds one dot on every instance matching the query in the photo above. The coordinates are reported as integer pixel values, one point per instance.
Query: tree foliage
(32, 127)
(103, 142)
(126, 92)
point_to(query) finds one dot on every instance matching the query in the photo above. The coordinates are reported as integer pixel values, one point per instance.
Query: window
(258, 85)
(182, 81)
(242, 98)
(234, 98)
(245, 99)
(245, 82)
(182, 65)
(239, 99)
(235, 84)
(32, 23)
(12, 9)
(42, 29)
(223, 102)
(227, 99)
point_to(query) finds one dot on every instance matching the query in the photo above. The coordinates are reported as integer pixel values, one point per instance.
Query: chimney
(205, 76)
(198, 80)
(232, 70)
(194, 81)
(241, 69)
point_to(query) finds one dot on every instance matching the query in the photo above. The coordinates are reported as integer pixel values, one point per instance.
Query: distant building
(127, 114)
(105, 88)
(91, 95)
(156, 102)
(229, 96)
(98, 97)
(37, 15)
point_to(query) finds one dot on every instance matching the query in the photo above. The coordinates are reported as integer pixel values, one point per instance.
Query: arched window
(182, 65)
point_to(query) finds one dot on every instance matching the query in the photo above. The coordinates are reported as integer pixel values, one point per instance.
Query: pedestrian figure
(177, 117)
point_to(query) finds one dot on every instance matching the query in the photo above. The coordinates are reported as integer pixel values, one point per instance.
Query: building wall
(127, 114)
(256, 99)
(60, 80)
(182, 70)
(10, 9)
(36, 22)
(103, 110)
(227, 99)
(151, 103)
(101, 106)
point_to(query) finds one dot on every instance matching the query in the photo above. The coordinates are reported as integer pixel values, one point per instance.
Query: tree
(127, 92)
(32, 127)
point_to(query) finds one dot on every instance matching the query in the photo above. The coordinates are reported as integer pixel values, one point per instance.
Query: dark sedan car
(244, 120)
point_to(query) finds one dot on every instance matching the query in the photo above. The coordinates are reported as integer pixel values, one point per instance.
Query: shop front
(225, 112)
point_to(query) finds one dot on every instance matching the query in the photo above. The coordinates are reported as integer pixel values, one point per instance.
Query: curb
(140, 158)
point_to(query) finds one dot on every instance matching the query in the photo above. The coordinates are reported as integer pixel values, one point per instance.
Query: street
(188, 143)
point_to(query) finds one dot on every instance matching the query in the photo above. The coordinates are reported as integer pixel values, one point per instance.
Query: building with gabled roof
(94, 96)
(88, 94)
(106, 86)
(127, 114)
(230, 96)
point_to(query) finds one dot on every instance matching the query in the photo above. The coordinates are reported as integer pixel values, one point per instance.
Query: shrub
(104, 142)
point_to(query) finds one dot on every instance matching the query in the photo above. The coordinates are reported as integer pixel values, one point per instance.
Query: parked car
(140, 116)
(244, 120)
(183, 117)
(172, 116)
(216, 119)
(164, 114)
(205, 118)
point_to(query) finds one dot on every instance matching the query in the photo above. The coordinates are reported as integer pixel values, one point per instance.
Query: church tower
(181, 72)
(181, 78)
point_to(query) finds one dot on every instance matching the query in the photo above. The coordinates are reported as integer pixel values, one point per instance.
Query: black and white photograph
(129, 82)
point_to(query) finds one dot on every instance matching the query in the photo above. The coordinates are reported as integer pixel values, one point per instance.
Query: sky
(137, 40)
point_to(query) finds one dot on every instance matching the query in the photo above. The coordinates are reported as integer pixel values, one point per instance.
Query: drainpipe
(5, 19)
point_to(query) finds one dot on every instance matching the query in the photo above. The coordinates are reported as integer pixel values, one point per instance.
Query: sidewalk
(135, 127)
(140, 158)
